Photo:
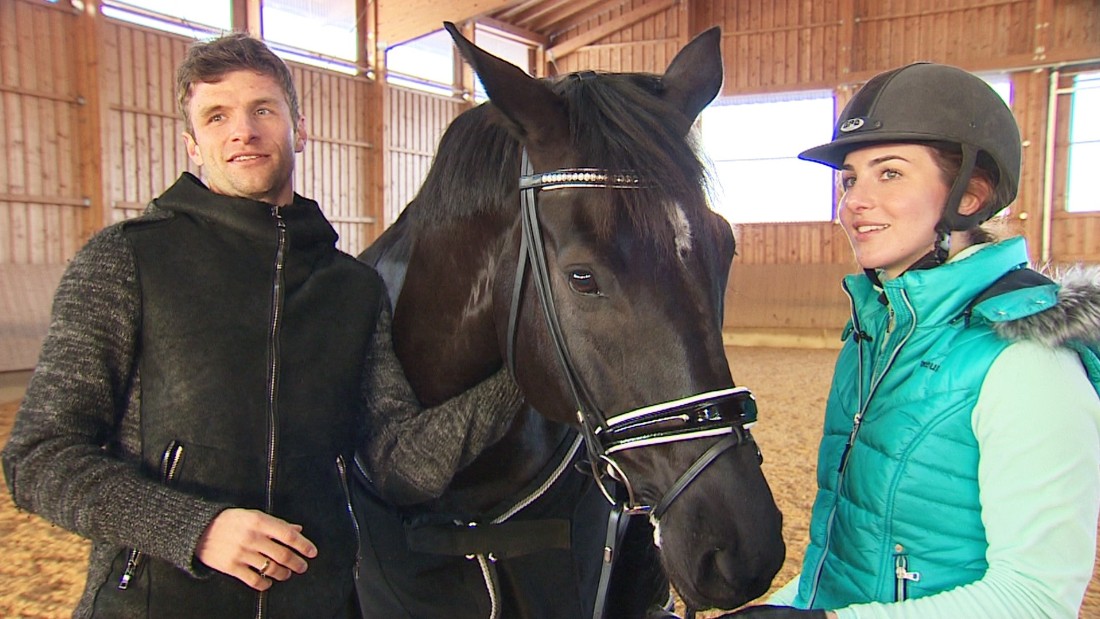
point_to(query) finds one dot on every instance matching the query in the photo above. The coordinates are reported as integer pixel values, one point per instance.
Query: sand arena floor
(42, 571)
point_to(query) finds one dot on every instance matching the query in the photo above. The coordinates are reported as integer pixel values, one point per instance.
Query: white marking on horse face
(682, 229)
(481, 293)
(656, 531)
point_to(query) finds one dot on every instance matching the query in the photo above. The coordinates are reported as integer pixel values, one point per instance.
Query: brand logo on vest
(928, 365)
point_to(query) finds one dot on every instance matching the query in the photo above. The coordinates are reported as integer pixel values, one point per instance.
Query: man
(212, 368)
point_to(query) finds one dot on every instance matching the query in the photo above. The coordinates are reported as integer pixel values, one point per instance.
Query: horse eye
(583, 282)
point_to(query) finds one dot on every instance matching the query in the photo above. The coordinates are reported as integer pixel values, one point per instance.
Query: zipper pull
(851, 441)
(132, 561)
(902, 575)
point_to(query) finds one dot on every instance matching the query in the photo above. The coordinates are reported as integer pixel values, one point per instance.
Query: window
(195, 18)
(426, 63)
(1083, 183)
(503, 47)
(322, 27)
(754, 145)
(315, 32)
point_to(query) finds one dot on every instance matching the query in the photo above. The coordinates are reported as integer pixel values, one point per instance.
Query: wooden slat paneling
(415, 121)
(145, 152)
(40, 195)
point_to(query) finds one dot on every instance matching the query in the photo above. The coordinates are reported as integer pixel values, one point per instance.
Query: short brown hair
(209, 61)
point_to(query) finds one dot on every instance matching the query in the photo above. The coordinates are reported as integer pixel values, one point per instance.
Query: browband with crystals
(568, 178)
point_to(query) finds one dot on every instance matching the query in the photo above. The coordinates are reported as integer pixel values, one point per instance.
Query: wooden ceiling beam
(509, 14)
(550, 19)
(514, 31)
(622, 22)
(405, 20)
(534, 10)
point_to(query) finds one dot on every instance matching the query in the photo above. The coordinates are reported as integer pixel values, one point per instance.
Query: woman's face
(892, 198)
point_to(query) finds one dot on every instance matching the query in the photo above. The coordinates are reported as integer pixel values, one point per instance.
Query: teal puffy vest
(897, 515)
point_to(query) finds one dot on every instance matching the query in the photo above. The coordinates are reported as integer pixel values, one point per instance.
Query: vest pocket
(902, 575)
(169, 467)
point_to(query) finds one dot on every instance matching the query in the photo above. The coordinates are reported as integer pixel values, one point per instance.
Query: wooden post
(374, 109)
(90, 120)
(246, 17)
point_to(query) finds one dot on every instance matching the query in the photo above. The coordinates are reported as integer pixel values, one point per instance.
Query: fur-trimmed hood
(1074, 318)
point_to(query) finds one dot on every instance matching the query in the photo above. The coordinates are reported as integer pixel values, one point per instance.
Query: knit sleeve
(73, 453)
(412, 453)
(1037, 421)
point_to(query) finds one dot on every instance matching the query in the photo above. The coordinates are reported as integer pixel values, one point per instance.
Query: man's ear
(192, 148)
(300, 135)
(978, 193)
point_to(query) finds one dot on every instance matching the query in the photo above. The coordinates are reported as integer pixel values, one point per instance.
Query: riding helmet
(928, 102)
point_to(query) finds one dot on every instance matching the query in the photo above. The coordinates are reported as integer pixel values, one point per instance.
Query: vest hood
(1074, 319)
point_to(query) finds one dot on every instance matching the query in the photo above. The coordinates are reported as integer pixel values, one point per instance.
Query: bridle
(726, 413)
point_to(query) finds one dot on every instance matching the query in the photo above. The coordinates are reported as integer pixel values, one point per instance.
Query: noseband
(726, 413)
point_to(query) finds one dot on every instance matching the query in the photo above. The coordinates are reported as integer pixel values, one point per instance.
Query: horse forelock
(618, 122)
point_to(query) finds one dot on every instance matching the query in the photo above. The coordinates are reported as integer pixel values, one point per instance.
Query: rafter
(620, 23)
(404, 20)
(557, 17)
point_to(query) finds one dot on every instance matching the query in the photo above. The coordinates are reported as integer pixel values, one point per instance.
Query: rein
(728, 413)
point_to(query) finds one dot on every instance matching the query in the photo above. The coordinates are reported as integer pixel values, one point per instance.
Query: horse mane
(618, 122)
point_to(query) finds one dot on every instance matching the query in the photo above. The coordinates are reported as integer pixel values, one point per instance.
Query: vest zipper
(342, 467)
(857, 421)
(902, 575)
(169, 465)
(273, 376)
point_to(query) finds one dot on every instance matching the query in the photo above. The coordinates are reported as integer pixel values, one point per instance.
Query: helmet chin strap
(952, 220)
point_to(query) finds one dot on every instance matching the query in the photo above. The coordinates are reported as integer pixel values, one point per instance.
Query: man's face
(243, 137)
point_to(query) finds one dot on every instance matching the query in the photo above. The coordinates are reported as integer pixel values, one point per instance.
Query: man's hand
(775, 612)
(254, 547)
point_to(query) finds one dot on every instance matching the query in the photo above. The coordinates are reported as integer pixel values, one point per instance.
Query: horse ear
(694, 77)
(537, 115)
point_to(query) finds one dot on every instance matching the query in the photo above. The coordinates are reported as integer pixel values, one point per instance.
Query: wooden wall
(90, 132)
(772, 46)
(414, 123)
(42, 201)
(144, 153)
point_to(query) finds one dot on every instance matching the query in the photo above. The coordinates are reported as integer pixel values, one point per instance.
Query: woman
(959, 471)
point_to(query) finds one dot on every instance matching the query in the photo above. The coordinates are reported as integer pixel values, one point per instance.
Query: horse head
(612, 320)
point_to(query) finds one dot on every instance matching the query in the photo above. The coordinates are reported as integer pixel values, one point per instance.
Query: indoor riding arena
(91, 132)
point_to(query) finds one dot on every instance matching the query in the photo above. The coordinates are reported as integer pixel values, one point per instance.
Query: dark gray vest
(254, 334)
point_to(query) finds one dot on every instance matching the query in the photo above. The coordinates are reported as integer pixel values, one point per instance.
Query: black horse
(603, 291)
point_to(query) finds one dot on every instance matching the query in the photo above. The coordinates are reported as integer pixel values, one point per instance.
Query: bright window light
(196, 18)
(1083, 182)
(1001, 85)
(426, 63)
(754, 145)
(503, 47)
(325, 27)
